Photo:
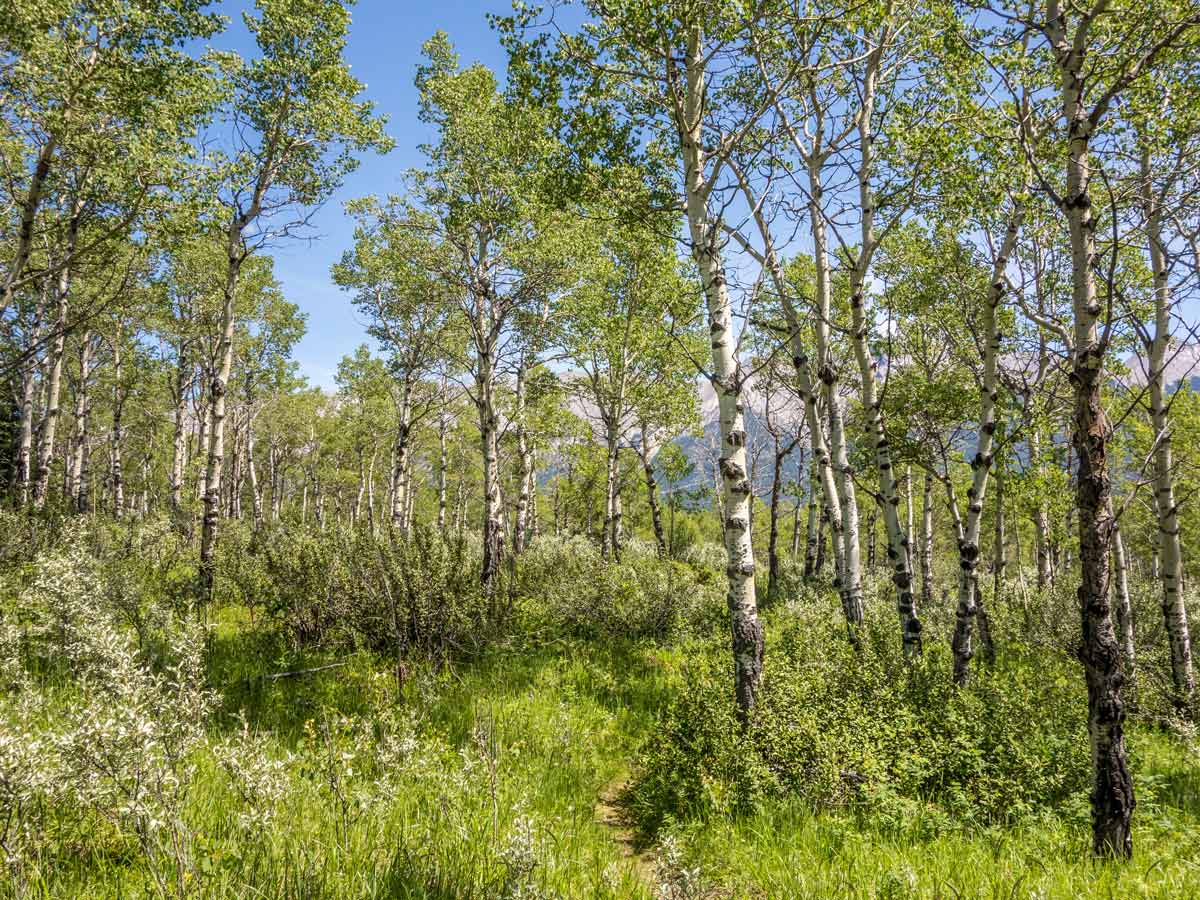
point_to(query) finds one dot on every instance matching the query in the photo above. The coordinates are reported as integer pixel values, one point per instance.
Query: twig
(277, 675)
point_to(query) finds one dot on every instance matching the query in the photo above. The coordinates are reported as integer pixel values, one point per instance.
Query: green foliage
(343, 588)
(843, 729)
(476, 775)
(569, 588)
(301, 105)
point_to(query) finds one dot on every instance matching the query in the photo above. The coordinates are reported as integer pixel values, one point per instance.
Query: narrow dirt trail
(608, 813)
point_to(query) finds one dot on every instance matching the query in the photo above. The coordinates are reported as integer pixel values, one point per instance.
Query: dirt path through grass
(608, 813)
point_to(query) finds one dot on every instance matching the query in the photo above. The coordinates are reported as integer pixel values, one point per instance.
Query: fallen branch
(277, 675)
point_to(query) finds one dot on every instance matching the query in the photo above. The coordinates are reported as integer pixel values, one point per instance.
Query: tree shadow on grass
(247, 665)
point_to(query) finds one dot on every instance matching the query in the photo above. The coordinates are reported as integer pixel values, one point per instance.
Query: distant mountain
(1183, 365)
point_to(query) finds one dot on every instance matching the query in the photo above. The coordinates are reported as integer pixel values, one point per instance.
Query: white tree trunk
(525, 464)
(117, 433)
(910, 624)
(77, 478)
(1174, 610)
(981, 462)
(399, 488)
(1112, 796)
(927, 541)
(1124, 607)
(443, 425)
(50, 417)
(218, 388)
(746, 630)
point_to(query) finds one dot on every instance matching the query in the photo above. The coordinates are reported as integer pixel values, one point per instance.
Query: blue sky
(383, 50)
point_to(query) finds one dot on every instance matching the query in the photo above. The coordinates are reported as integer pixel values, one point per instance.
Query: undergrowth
(283, 752)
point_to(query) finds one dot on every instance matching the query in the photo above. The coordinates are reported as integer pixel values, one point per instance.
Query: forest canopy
(775, 434)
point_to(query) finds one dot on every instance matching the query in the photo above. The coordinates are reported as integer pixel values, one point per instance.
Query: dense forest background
(771, 472)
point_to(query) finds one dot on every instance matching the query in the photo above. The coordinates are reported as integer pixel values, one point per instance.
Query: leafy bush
(340, 587)
(295, 576)
(861, 729)
(708, 555)
(106, 729)
(570, 589)
(420, 592)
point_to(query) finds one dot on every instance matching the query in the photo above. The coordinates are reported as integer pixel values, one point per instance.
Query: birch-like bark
(843, 517)
(117, 433)
(1124, 607)
(218, 388)
(361, 493)
(927, 541)
(182, 384)
(460, 505)
(1174, 610)
(46, 432)
(981, 463)
(1112, 796)
(831, 460)
(908, 513)
(203, 427)
(489, 428)
(871, 520)
(275, 460)
(910, 623)
(812, 525)
(535, 520)
(231, 495)
(29, 209)
(256, 497)
(800, 503)
(838, 486)
(746, 630)
(443, 461)
(77, 478)
(23, 470)
(618, 536)
(400, 448)
(144, 494)
(1041, 522)
(648, 448)
(610, 546)
(410, 496)
(525, 466)
(773, 534)
(371, 516)
(999, 540)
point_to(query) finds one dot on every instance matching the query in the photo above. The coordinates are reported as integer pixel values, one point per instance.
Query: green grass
(499, 795)
(786, 850)
(517, 737)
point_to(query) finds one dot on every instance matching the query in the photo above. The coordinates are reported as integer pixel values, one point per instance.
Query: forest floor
(507, 776)
(543, 741)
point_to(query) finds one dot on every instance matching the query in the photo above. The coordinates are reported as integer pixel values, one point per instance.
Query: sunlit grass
(513, 751)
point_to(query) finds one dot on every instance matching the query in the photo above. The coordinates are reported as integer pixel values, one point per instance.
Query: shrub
(419, 592)
(343, 587)
(708, 555)
(295, 576)
(107, 729)
(839, 728)
(569, 588)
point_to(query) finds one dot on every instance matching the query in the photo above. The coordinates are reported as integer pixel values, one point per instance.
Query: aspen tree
(300, 119)
(1072, 39)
